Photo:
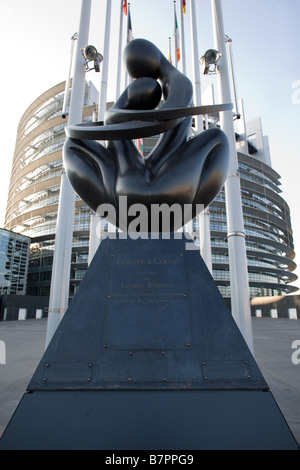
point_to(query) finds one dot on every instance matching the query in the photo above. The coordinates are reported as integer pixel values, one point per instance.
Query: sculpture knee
(215, 166)
(83, 173)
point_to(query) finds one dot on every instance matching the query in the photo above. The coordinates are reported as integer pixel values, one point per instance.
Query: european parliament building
(34, 195)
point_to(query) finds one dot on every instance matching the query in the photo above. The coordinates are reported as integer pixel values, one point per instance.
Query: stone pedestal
(147, 357)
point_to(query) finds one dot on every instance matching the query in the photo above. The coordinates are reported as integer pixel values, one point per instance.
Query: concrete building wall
(287, 306)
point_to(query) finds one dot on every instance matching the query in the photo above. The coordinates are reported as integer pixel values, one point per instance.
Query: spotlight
(91, 54)
(210, 57)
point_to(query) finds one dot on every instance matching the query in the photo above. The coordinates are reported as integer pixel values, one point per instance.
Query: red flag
(184, 6)
(125, 6)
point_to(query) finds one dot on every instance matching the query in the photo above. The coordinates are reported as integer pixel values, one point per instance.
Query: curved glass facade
(269, 237)
(34, 194)
(35, 186)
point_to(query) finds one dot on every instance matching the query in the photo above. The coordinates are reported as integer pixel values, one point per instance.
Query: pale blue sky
(35, 43)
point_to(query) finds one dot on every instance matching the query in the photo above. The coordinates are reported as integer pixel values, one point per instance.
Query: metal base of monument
(148, 420)
(147, 357)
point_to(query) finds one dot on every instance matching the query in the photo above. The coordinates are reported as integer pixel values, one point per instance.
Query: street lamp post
(95, 234)
(240, 298)
(204, 217)
(60, 281)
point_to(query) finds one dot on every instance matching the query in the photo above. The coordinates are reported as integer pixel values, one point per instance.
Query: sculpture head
(142, 59)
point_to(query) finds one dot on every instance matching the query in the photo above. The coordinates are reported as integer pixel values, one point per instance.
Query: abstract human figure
(178, 169)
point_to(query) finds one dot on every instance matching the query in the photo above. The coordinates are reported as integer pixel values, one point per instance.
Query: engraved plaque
(147, 305)
(147, 366)
(71, 373)
(227, 370)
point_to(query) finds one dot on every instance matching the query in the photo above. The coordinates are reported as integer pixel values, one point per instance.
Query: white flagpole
(60, 282)
(128, 39)
(204, 217)
(189, 226)
(240, 298)
(196, 68)
(175, 35)
(104, 69)
(118, 87)
(128, 79)
(182, 37)
(170, 52)
(95, 234)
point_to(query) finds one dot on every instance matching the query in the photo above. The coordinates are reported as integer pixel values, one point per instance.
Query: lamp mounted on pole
(239, 283)
(204, 216)
(95, 233)
(91, 54)
(60, 281)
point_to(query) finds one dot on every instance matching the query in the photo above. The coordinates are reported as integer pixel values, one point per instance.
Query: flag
(125, 7)
(176, 34)
(141, 146)
(184, 6)
(129, 26)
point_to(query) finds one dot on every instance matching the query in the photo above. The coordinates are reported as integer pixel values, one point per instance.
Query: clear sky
(35, 44)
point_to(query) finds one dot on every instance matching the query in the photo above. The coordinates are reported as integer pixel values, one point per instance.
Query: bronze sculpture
(178, 169)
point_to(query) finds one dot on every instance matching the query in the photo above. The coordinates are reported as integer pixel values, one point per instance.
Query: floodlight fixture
(91, 54)
(210, 58)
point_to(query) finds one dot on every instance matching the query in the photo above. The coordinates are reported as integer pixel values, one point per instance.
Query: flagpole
(104, 70)
(189, 227)
(175, 34)
(239, 283)
(96, 219)
(182, 37)
(128, 39)
(204, 217)
(60, 281)
(196, 68)
(118, 87)
(170, 52)
(129, 26)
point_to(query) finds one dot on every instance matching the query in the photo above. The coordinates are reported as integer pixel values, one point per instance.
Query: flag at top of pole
(141, 146)
(129, 26)
(182, 39)
(176, 34)
(125, 7)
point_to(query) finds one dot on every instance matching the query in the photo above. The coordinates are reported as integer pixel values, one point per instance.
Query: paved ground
(273, 338)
